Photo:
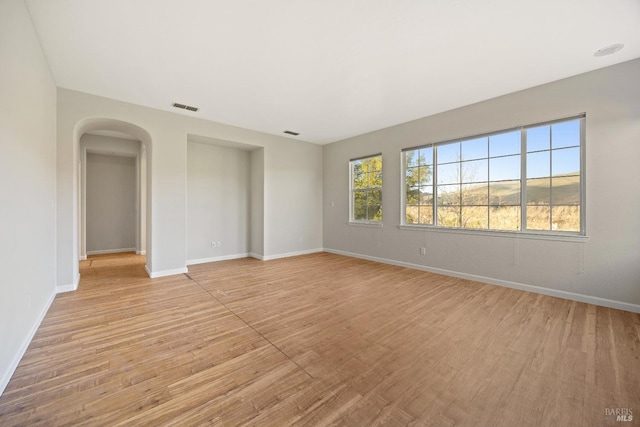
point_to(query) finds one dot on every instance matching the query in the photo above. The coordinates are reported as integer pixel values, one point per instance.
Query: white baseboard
(83, 257)
(285, 255)
(111, 251)
(70, 287)
(66, 288)
(216, 259)
(6, 376)
(141, 252)
(619, 305)
(156, 274)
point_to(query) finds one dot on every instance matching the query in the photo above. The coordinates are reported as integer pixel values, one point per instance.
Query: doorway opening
(118, 142)
(112, 194)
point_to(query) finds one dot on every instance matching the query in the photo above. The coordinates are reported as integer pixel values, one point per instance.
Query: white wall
(606, 266)
(111, 203)
(167, 159)
(27, 185)
(218, 194)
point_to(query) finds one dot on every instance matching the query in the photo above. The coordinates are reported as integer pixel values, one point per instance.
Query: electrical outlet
(423, 251)
(213, 244)
(218, 244)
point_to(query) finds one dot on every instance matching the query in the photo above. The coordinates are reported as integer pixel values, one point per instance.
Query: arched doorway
(115, 127)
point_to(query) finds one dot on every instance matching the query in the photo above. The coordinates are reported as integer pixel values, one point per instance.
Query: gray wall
(292, 200)
(257, 203)
(218, 195)
(606, 266)
(27, 185)
(292, 169)
(111, 203)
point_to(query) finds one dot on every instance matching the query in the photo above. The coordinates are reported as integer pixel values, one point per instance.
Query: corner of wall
(69, 287)
(164, 273)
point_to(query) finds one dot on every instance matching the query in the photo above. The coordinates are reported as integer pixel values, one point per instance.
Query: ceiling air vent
(608, 50)
(290, 132)
(185, 107)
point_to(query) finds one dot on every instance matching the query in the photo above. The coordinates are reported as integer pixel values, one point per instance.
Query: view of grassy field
(477, 180)
(552, 204)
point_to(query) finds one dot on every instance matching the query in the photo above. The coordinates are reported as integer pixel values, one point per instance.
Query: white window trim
(376, 224)
(556, 235)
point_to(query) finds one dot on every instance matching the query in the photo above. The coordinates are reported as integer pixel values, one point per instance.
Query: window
(366, 189)
(527, 179)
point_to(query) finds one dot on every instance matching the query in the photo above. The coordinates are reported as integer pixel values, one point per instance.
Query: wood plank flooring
(319, 340)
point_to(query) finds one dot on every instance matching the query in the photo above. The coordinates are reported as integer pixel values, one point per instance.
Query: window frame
(352, 191)
(523, 231)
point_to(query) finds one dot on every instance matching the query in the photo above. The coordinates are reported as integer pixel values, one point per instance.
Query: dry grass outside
(505, 218)
(560, 218)
(553, 203)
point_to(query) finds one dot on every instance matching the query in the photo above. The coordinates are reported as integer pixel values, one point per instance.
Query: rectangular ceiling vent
(290, 132)
(185, 107)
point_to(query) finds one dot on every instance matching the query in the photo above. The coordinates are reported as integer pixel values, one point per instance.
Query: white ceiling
(329, 69)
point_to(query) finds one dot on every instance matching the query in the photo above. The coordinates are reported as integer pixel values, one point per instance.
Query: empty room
(348, 213)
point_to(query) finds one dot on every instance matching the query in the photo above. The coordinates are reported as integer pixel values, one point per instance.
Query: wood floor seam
(250, 326)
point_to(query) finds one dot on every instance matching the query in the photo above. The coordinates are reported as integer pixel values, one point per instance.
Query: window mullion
(488, 184)
(523, 179)
(550, 177)
(435, 186)
(353, 193)
(403, 188)
(583, 163)
(460, 187)
(551, 185)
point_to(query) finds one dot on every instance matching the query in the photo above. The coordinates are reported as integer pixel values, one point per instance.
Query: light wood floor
(315, 340)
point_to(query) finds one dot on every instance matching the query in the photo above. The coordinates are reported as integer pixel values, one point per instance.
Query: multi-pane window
(527, 179)
(366, 189)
